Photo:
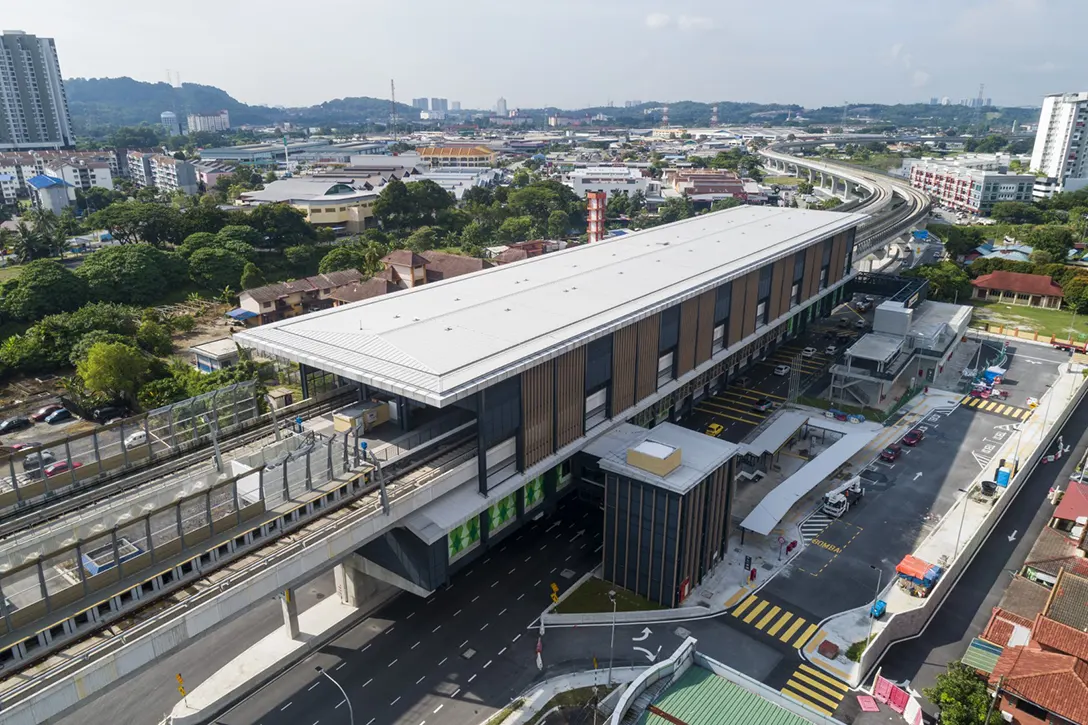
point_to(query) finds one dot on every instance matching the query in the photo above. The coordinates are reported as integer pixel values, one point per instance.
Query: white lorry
(838, 501)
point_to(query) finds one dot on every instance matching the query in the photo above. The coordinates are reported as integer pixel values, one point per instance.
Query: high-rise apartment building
(440, 104)
(209, 122)
(1061, 144)
(455, 105)
(420, 103)
(169, 121)
(500, 107)
(33, 104)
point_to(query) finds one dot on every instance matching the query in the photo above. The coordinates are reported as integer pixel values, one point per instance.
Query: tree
(1016, 212)
(727, 203)
(476, 235)
(154, 338)
(637, 202)
(422, 240)
(958, 240)
(215, 268)
(83, 346)
(28, 243)
(281, 226)
(252, 276)
(477, 195)
(155, 223)
(241, 233)
(804, 187)
(830, 203)
(1055, 241)
(43, 287)
(345, 256)
(393, 207)
(676, 208)
(515, 229)
(962, 697)
(114, 370)
(135, 273)
(429, 200)
(558, 225)
(618, 205)
(947, 281)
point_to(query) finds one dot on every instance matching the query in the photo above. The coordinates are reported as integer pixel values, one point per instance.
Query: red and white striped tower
(596, 207)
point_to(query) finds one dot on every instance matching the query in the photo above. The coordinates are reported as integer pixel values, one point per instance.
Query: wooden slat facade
(537, 406)
(624, 345)
(838, 258)
(649, 330)
(570, 399)
(778, 278)
(736, 313)
(689, 326)
(812, 271)
(751, 302)
(704, 336)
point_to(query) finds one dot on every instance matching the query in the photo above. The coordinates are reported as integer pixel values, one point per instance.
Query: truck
(838, 501)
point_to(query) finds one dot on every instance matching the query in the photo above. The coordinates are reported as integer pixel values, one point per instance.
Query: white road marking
(343, 701)
(443, 661)
(487, 559)
(410, 616)
(488, 664)
(598, 548)
(475, 598)
(391, 663)
(527, 559)
(415, 645)
(494, 585)
(463, 643)
(502, 612)
(367, 682)
(313, 686)
(568, 558)
(431, 600)
(483, 627)
(451, 696)
(540, 580)
(519, 598)
(436, 629)
(371, 720)
(364, 649)
(388, 630)
(285, 707)
(392, 703)
(472, 678)
(513, 570)
(457, 612)
(515, 639)
(500, 652)
(340, 665)
(435, 712)
(420, 680)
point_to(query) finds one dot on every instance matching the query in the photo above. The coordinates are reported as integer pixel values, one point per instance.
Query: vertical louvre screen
(570, 373)
(685, 351)
(705, 332)
(647, 356)
(625, 346)
(538, 397)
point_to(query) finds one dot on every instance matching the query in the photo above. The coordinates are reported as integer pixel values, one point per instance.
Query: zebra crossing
(814, 525)
(815, 689)
(775, 621)
(996, 407)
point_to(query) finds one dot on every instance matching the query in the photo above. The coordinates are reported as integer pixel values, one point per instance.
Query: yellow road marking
(833, 696)
(800, 641)
(991, 406)
(788, 634)
(812, 671)
(744, 605)
(737, 596)
(814, 642)
(764, 395)
(1026, 414)
(811, 697)
(768, 617)
(755, 611)
(966, 399)
(720, 414)
(778, 625)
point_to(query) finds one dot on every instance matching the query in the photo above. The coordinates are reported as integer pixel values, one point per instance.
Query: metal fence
(162, 432)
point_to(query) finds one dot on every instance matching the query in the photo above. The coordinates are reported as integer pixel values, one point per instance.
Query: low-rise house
(405, 269)
(466, 156)
(48, 192)
(1018, 288)
(289, 299)
(215, 355)
(328, 201)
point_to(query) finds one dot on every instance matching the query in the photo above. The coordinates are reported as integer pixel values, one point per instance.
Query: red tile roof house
(1017, 288)
(1046, 680)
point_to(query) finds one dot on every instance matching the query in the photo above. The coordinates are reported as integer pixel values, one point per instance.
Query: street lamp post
(876, 598)
(351, 713)
(612, 644)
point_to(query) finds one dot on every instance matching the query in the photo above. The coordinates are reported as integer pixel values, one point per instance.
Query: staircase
(643, 701)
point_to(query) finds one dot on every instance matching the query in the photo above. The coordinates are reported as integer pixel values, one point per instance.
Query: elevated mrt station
(535, 361)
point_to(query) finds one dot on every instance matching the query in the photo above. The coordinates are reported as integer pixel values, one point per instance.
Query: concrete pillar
(290, 613)
(353, 586)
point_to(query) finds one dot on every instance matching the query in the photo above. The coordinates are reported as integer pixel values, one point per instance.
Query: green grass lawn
(781, 180)
(592, 596)
(879, 162)
(1044, 321)
(10, 272)
(578, 697)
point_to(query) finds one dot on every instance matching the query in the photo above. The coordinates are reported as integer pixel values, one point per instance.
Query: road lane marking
(502, 612)
(515, 639)
(431, 600)
(410, 616)
(472, 678)
(435, 712)
(519, 598)
(420, 679)
(285, 707)
(391, 663)
(436, 629)
(488, 664)
(390, 704)
(527, 559)
(457, 612)
(500, 652)
(415, 645)
(389, 630)
(483, 627)
(340, 665)
(492, 586)
(540, 580)
(443, 661)
(367, 682)
(313, 686)
(513, 570)
(463, 644)
(475, 598)
(451, 696)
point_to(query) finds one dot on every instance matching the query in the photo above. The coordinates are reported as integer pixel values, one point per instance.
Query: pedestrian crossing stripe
(773, 621)
(992, 406)
(815, 689)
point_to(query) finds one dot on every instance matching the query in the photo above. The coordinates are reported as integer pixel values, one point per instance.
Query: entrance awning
(776, 504)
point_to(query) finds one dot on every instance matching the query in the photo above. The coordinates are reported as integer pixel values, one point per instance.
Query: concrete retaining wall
(908, 625)
(675, 665)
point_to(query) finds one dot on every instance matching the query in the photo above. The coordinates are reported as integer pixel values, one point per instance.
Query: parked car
(1065, 346)
(37, 459)
(60, 467)
(44, 412)
(714, 429)
(763, 405)
(104, 414)
(843, 322)
(860, 324)
(808, 352)
(831, 350)
(23, 446)
(58, 415)
(136, 439)
(782, 370)
(742, 382)
(891, 453)
(13, 424)
(913, 438)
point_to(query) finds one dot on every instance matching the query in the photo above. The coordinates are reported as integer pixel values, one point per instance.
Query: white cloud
(919, 78)
(657, 20)
(695, 22)
(1046, 67)
(896, 50)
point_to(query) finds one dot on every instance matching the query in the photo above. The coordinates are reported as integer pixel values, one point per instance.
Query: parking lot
(906, 497)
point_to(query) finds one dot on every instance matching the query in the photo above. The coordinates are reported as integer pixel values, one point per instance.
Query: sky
(578, 53)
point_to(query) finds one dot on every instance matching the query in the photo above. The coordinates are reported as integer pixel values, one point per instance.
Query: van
(138, 438)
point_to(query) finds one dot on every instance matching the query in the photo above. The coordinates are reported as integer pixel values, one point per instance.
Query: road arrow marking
(646, 632)
(1012, 536)
(580, 532)
(650, 655)
(917, 475)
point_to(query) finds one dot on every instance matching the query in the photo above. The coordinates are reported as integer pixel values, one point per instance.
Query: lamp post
(612, 644)
(351, 713)
(876, 598)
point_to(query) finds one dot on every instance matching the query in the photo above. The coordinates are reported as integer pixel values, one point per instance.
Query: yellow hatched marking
(806, 669)
(805, 700)
(804, 637)
(966, 400)
(990, 406)
(1026, 414)
(814, 642)
(755, 611)
(768, 617)
(788, 634)
(1000, 408)
(778, 625)
(744, 605)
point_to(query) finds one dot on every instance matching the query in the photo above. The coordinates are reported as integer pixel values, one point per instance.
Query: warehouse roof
(442, 341)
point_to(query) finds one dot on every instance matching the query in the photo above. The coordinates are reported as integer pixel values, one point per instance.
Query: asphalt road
(967, 609)
(455, 657)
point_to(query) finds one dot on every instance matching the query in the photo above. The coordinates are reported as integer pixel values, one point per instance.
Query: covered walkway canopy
(776, 504)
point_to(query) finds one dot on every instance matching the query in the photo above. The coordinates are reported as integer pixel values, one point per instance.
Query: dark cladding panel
(812, 272)
(751, 300)
(778, 277)
(736, 312)
(624, 351)
(598, 362)
(648, 329)
(704, 335)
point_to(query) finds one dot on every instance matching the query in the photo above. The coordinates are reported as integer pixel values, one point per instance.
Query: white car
(808, 352)
(830, 350)
(782, 370)
(136, 439)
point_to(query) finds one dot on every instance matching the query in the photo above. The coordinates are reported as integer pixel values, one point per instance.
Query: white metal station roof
(445, 340)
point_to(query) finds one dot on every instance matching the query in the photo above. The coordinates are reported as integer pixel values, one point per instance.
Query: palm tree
(28, 244)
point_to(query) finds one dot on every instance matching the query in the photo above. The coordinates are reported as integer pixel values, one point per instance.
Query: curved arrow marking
(646, 632)
(649, 655)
